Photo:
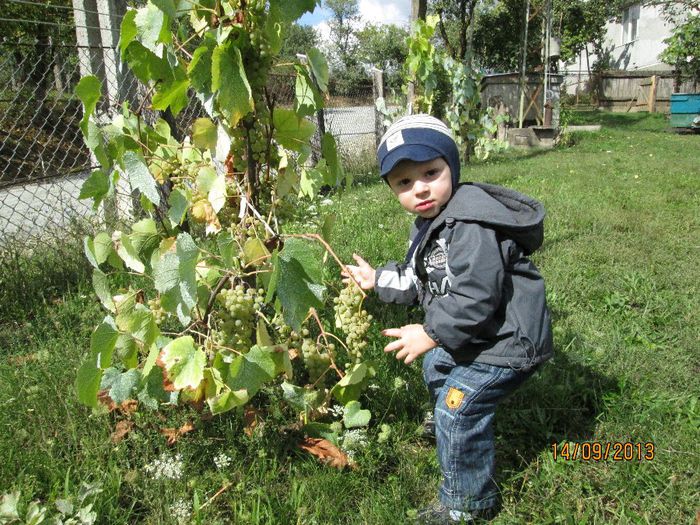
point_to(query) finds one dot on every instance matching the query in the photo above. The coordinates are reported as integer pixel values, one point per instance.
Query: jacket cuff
(431, 333)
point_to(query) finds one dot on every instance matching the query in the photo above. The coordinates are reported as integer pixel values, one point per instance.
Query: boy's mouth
(425, 205)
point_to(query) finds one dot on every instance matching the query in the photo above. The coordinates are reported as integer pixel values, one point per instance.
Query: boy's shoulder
(517, 215)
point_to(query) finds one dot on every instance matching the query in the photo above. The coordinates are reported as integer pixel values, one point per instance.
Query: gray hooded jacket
(484, 300)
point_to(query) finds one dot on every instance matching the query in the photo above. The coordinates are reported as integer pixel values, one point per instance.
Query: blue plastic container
(685, 107)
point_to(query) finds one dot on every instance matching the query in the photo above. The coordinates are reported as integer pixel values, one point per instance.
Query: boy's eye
(403, 182)
(431, 173)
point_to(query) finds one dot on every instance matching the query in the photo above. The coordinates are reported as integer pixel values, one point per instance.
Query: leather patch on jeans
(454, 398)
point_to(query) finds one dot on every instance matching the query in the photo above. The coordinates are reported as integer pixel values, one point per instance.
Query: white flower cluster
(355, 439)
(222, 461)
(181, 511)
(336, 410)
(165, 467)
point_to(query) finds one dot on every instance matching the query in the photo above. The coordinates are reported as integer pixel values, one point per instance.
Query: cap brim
(414, 152)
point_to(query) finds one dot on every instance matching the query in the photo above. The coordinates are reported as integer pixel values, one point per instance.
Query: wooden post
(378, 92)
(652, 94)
(523, 65)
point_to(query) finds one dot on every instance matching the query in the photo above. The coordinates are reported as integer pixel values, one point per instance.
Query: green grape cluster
(353, 320)
(316, 358)
(157, 310)
(285, 334)
(238, 316)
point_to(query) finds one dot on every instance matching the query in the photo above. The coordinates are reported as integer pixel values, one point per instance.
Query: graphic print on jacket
(435, 264)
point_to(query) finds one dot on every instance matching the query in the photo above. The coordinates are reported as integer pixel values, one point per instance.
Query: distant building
(633, 43)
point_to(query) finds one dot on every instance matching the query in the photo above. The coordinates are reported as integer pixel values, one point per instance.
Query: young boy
(486, 324)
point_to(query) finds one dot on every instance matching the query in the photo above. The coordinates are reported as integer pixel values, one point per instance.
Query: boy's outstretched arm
(412, 342)
(363, 273)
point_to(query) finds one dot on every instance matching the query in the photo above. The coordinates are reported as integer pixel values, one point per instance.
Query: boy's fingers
(391, 347)
(391, 332)
(358, 259)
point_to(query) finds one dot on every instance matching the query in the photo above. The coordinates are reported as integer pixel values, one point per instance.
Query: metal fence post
(378, 92)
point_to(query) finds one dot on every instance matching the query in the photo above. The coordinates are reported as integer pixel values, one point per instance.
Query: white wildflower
(355, 439)
(336, 410)
(181, 511)
(222, 461)
(326, 202)
(165, 467)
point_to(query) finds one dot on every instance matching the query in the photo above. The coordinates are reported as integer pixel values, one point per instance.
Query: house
(632, 47)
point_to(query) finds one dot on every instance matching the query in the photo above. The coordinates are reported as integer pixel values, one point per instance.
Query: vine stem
(317, 237)
(314, 314)
(218, 493)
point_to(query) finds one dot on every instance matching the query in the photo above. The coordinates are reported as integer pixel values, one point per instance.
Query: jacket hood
(513, 214)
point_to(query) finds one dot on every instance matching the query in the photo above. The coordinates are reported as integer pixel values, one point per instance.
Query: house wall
(640, 53)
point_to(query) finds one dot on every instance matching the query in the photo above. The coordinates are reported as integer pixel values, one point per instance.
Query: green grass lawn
(620, 262)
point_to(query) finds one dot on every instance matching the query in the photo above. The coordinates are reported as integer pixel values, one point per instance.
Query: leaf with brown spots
(325, 451)
(121, 431)
(174, 434)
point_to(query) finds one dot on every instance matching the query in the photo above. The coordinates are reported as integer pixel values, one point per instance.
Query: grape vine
(232, 305)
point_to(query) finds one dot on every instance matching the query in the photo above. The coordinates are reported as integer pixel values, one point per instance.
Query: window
(629, 24)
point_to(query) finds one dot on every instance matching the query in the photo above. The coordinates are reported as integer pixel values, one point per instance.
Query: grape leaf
(140, 325)
(220, 397)
(290, 10)
(121, 385)
(152, 393)
(292, 131)
(307, 100)
(128, 31)
(184, 362)
(167, 6)
(204, 134)
(302, 398)
(88, 91)
(140, 178)
(319, 68)
(254, 252)
(327, 228)
(102, 342)
(199, 69)
(97, 186)
(172, 94)
(179, 202)
(144, 237)
(352, 384)
(101, 286)
(213, 185)
(329, 151)
(149, 21)
(8, 507)
(354, 416)
(229, 82)
(145, 64)
(297, 275)
(259, 365)
(127, 252)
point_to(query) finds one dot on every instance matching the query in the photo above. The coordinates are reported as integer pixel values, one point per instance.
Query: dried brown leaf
(174, 434)
(121, 431)
(252, 419)
(325, 451)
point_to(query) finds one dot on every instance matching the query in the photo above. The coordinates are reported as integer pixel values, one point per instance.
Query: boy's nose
(420, 187)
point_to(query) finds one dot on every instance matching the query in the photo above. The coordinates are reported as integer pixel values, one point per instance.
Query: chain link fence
(43, 160)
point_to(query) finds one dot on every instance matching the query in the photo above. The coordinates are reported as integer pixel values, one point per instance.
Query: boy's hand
(363, 273)
(412, 342)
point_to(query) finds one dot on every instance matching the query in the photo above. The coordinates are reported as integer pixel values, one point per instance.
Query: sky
(372, 11)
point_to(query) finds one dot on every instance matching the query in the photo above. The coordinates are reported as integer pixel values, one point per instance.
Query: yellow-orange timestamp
(603, 451)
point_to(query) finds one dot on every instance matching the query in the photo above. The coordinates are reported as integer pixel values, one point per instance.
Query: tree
(298, 39)
(345, 16)
(384, 47)
(683, 51)
(454, 25)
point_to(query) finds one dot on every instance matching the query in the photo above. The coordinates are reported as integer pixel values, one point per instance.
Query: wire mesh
(43, 158)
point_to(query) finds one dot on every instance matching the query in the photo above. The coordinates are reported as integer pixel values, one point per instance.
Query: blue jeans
(466, 396)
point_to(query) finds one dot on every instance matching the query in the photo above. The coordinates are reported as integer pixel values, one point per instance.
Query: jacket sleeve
(475, 271)
(397, 283)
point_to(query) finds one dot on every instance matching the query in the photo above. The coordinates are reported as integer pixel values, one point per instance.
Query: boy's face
(423, 188)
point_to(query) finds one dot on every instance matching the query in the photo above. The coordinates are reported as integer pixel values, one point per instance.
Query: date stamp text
(603, 451)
